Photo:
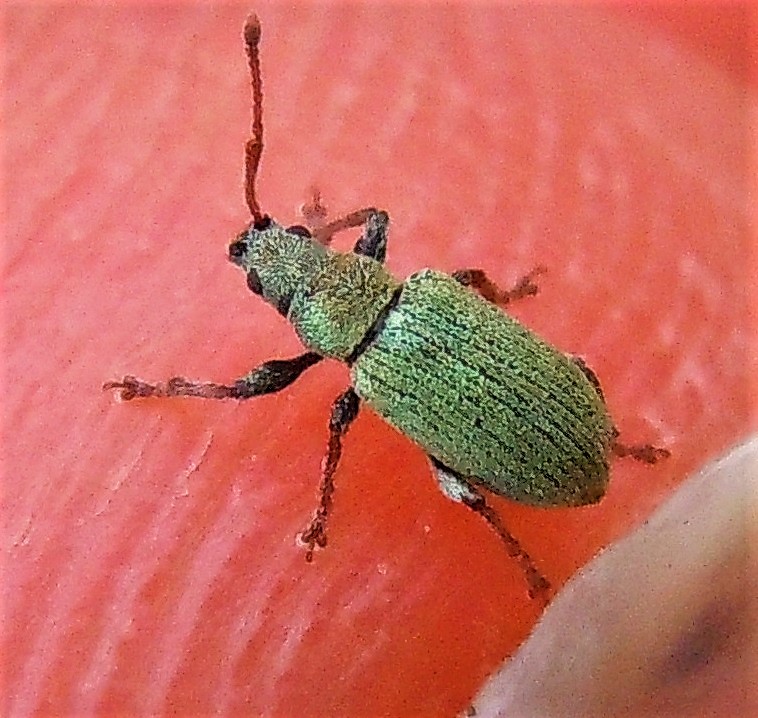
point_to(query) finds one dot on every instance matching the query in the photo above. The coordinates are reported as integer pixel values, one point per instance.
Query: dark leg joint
(273, 376)
(344, 411)
(373, 241)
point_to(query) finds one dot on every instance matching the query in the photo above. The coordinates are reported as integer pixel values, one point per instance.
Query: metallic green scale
(486, 397)
(335, 306)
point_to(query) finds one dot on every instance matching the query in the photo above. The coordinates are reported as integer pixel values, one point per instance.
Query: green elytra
(492, 404)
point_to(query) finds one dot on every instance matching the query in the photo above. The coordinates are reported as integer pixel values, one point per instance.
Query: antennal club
(254, 146)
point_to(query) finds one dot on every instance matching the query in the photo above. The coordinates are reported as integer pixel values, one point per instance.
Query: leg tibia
(457, 488)
(344, 411)
(354, 219)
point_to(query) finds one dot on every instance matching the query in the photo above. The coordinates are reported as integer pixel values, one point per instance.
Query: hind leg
(647, 453)
(455, 487)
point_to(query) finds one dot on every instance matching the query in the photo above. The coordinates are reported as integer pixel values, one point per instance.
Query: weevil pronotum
(493, 406)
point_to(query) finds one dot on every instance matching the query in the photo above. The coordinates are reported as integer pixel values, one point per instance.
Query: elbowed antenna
(254, 146)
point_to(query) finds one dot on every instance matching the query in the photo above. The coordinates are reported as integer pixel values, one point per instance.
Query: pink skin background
(149, 555)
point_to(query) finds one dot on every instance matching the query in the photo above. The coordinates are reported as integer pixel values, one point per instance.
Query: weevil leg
(459, 489)
(344, 410)
(646, 453)
(477, 279)
(373, 241)
(269, 377)
(313, 211)
(591, 376)
(325, 234)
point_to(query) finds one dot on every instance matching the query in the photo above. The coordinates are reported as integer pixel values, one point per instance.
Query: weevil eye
(237, 249)
(263, 223)
(254, 282)
(299, 230)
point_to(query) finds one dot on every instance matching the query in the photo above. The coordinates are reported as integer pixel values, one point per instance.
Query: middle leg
(344, 411)
(477, 279)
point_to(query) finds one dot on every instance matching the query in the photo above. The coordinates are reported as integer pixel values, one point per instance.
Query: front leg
(325, 233)
(373, 242)
(270, 377)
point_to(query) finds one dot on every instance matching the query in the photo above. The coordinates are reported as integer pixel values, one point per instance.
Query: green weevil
(494, 406)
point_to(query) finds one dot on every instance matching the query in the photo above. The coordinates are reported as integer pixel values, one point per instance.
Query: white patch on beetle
(453, 487)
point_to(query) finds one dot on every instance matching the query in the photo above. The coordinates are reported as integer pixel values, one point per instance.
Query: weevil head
(277, 261)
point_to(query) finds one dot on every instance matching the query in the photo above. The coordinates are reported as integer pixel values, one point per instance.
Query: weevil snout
(239, 248)
(239, 251)
(277, 261)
